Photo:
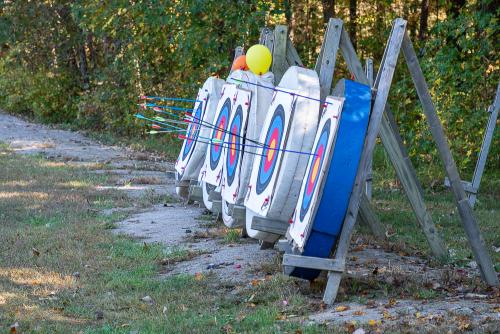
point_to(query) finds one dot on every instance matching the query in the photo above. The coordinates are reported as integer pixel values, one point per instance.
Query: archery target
(234, 148)
(317, 166)
(262, 89)
(193, 148)
(214, 159)
(270, 154)
(278, 199)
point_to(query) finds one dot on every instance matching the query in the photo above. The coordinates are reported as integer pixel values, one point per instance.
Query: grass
(63, 271)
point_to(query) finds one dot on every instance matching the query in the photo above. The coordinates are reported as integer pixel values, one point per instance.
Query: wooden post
(280, 64)
(387, 73)
(369, 175)
(325, 64)
(393, 143)
(292, 57)
(467, 216)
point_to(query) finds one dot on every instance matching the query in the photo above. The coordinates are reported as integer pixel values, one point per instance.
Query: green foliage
(85, 62)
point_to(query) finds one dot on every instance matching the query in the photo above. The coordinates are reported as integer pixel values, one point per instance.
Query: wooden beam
(269, 225)
(328, 56)
(393, 144)
(313, 263)
(387, 73)
(467, 216)
(280, 64)
(292, 57)
(195, 193)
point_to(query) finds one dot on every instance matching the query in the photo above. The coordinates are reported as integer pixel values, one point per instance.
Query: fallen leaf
(148, 300)
(184, 308)
(228, 329)
(341, 308)
(35, 251)
(255, 282)
(372, 322)
(198, 276)
(350, 327)
(281, 316)
(14, 328)
(358, 313)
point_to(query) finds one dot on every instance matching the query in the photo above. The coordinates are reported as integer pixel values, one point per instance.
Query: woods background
(84, 63)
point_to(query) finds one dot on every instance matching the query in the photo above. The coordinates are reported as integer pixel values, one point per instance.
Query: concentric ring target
(218, 134)
(274, 137)
(315, 169)
(193, 131)
(234, 147)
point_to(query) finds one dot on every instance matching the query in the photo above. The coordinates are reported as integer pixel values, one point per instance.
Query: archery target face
(214, 162)
(317, 167)
(267, 161)
(192, 131)
(235, 148)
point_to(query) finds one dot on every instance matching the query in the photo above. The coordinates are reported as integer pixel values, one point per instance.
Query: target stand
(382, 123)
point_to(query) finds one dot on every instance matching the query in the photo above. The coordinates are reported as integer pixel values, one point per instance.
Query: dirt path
(457, 306)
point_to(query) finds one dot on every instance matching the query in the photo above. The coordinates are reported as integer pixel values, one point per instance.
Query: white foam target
(234, 190)
(317, 166)
(192, 154)
(273, 193)
(211, 172)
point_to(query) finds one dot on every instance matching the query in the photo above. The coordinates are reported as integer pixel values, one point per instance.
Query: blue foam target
(339, 181)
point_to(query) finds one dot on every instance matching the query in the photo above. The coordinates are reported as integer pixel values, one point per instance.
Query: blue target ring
(218, 134)
(234, 145)
(269, 158)
(193, 131)
(315, 169)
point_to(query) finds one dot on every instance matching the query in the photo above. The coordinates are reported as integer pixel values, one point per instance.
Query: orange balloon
(240, 63)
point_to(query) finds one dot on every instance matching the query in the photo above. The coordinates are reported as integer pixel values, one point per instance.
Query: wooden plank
(217, 206)
(292, 57)
(467, 186)
(369, 175)
(393, 144)
(387, 73)
(195, 193)
(310, 262)
(329, 56)
(214, 196)
(370, 218)
(267, 38)
(485, 146)
(280, 64)
(284, 246)
(269, 225)
(468, 219)
(239, 212)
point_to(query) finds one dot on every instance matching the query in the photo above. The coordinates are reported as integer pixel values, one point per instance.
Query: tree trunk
(328, 9)
(352, 22)
(455, 7)
(82, 55)
(424, 16)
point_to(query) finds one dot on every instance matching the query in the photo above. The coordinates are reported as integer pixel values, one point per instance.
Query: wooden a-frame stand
(382, 122)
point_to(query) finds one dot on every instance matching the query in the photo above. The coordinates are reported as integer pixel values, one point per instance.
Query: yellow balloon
(259, 59)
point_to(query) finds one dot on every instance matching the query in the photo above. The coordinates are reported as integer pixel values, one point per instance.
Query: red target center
(315, 169)
(232, 152)
(219, 133)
